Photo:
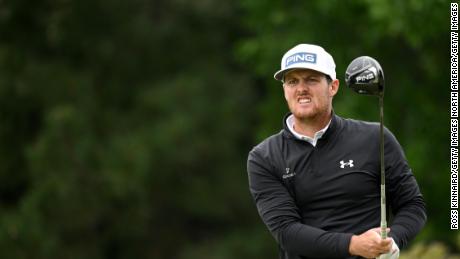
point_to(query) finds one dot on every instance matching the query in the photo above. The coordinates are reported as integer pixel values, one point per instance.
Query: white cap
(307, 56)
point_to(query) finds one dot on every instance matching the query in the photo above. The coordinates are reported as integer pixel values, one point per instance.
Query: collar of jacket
(334, 127)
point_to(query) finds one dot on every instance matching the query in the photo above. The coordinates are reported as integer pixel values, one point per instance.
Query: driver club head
(365, 76)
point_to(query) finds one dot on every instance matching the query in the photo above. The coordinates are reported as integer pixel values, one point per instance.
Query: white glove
(393, 254)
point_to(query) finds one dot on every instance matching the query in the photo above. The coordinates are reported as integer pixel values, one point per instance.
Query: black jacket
(313, 199)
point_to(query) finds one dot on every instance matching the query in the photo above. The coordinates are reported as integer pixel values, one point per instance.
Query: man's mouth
(304, 100)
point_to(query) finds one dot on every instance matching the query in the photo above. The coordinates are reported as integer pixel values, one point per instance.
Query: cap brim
(279, 75)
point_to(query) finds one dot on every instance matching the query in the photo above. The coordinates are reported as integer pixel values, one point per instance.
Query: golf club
(365, 76)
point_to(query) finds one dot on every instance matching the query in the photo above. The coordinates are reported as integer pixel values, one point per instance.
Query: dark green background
(125, 125)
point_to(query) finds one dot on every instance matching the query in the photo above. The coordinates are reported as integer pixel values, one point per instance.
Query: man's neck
(309, 127)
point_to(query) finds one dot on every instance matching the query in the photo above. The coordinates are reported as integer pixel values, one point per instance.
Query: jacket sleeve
(280, 214)
(405, 199)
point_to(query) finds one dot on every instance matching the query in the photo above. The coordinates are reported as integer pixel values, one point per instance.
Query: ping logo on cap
(301, 57)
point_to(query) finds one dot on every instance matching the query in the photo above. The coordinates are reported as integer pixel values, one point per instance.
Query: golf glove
(393, 254)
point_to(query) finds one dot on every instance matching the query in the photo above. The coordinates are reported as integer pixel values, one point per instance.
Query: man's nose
(303, 84)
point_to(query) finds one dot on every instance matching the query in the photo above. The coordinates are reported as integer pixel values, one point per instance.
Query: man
(316, 184)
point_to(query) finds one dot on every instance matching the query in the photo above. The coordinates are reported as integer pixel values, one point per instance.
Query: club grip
(383, 230)
(383, 220)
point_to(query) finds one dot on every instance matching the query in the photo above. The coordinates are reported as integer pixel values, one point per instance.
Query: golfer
(316, 183)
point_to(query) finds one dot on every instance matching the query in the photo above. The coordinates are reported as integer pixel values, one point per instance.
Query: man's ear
(334, 87)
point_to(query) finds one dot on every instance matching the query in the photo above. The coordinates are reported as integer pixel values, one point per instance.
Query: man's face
(308, 94)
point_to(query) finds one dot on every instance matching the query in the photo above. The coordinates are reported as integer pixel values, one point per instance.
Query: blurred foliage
(125, 125)
(428, 251)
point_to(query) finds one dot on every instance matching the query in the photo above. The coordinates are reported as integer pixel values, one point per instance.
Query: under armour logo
(288, 174)
(349, 163)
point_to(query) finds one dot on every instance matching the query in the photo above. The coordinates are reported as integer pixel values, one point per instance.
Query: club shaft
(383, 221)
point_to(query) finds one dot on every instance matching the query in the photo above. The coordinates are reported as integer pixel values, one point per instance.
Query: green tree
(125, 127)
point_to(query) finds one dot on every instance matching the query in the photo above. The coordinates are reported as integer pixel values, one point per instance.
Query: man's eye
(292, 81)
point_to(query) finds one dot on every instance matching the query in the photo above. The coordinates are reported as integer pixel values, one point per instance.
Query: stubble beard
(317, 114)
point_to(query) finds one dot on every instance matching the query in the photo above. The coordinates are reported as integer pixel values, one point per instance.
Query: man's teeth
(304, 100)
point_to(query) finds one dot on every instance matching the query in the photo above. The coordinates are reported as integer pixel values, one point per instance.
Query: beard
(311, 113)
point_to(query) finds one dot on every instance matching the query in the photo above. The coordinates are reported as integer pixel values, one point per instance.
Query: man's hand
(369, 244)
(394, 254)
